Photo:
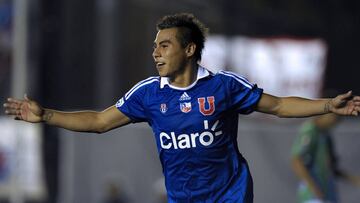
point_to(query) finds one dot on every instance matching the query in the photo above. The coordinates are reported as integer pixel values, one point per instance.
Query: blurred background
(85, 54)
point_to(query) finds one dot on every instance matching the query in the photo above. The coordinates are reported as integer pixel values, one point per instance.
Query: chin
(162, 73)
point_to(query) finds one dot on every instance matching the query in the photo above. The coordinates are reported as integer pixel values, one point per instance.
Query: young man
(314, 161)
(193, 114)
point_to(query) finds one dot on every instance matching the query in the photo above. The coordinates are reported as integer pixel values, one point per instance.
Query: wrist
(328, 106)
(46, 115)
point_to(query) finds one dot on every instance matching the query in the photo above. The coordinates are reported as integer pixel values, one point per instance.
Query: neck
(186, 77)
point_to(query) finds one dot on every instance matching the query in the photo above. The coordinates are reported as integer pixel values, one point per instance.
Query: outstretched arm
(344, 104)
(84, 121)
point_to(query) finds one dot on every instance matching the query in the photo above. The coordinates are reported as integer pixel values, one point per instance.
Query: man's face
(169, 56)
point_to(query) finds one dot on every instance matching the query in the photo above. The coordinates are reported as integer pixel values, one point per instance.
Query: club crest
(207, 107)
(185, 107)
(185, 103)
(163, 108)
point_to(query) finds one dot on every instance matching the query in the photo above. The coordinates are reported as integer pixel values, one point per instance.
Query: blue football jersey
(195, 129)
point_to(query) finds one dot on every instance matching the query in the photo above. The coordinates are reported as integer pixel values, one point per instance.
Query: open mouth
(159, 64)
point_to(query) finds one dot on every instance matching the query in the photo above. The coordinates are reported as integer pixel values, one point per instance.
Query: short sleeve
(243, 95)
(133, 103)
(132, 108)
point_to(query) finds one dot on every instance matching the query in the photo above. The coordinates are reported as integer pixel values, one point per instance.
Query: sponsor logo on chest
(186, 141)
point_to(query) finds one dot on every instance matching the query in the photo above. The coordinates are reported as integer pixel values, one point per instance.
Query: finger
(5, 105)
(12, 100)
(355, 113)
(11, 106)
(11, 112)
(26, 97)
(15, 103)
(345, 96)
(356, 98)
(8, 108)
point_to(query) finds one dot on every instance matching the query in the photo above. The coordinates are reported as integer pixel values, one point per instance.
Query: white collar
(202, 73)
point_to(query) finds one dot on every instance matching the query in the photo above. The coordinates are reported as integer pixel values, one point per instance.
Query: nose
(156, 53)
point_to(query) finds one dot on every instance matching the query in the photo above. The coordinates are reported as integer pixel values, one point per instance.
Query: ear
(190, 49)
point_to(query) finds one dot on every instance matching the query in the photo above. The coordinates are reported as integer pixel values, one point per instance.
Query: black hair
(190, 29)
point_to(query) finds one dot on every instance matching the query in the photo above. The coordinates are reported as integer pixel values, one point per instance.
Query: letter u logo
(211, 105)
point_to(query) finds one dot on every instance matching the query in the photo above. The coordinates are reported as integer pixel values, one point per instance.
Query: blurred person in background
(160, 191)
(314, 161)
(114, 194)
(193, 113)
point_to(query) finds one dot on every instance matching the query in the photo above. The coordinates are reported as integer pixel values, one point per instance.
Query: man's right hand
(81, 121)
(26, 109)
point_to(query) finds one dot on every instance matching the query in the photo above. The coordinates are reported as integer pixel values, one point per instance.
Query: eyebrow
(162, 42)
